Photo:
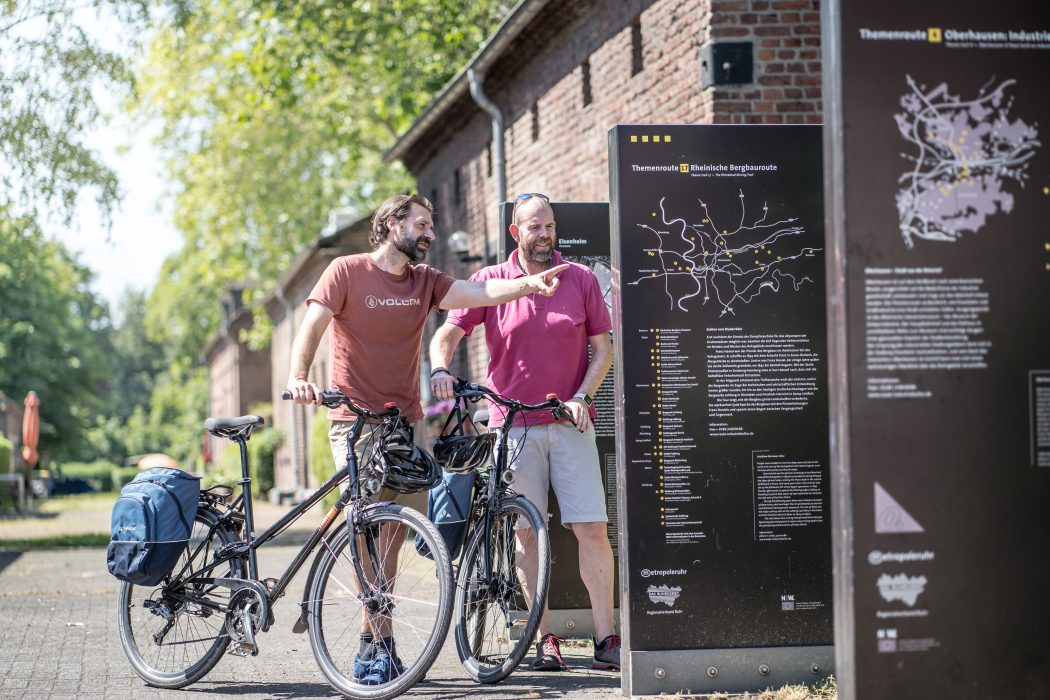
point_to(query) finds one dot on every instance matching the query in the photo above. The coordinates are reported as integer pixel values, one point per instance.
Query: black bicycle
(496, 617)
(359, 586)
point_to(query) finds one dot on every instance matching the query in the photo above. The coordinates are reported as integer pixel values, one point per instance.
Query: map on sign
(700, 259)
(965, 152)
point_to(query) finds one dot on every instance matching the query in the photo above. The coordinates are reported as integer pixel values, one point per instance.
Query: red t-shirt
(377, 328)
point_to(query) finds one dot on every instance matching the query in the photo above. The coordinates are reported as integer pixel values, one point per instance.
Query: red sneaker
(548, 654)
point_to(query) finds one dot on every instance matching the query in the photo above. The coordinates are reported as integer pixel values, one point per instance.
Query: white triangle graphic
(890, 516)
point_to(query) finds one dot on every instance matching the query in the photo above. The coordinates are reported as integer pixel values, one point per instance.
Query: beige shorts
(560, 456)
(337, 435)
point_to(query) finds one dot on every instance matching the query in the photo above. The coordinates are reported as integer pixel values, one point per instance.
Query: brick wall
(642, 61)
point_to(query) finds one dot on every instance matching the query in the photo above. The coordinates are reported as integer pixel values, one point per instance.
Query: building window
(457, 185)
(488, 159)
(636, 45)
(535, 121)
(585, 71)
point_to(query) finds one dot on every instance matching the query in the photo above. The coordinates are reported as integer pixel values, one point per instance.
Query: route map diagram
(704, 261)
(964, 153)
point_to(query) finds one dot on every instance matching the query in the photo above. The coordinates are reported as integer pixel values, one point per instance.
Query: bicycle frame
(249, 546)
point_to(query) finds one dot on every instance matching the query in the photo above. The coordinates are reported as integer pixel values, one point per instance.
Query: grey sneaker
(607, 654)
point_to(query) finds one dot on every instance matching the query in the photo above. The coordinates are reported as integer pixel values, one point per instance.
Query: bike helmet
(463, 453)
(401, 464)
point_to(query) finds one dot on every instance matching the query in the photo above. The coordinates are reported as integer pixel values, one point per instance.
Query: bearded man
(377, 304)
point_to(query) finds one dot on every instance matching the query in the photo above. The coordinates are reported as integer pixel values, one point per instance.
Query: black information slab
(583, 237)
(942, 147)
(718, 237)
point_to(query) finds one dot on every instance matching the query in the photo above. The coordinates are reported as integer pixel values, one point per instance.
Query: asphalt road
(58, 639)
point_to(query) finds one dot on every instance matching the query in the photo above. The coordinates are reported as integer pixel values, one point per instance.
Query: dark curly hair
(397, 207)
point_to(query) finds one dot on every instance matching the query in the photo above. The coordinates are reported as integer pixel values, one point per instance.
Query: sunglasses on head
(529, 195)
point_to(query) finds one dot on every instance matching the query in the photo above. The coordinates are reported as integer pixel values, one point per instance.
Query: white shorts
(560, 456)
(337, 435)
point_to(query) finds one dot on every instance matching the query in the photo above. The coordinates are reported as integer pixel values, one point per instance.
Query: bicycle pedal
(243, 648)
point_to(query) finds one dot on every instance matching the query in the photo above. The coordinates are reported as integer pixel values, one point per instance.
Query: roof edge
(517, 19)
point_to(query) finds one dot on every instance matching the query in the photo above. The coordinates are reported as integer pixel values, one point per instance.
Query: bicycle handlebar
(474, 391)
(333, 398)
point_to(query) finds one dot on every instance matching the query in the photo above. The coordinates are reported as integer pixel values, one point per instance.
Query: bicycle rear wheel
(414, 606)
(174, 634)
(495, 626)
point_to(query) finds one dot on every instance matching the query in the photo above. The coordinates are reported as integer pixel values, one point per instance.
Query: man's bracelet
(436, 370)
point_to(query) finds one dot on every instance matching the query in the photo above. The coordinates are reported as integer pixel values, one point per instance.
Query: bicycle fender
(301, 624)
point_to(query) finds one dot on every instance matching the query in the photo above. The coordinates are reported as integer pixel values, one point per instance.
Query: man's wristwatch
(582, 396)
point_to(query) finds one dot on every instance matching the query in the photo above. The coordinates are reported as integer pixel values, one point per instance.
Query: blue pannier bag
(151, 525)
(448, 505)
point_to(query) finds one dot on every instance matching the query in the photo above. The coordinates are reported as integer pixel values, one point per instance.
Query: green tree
(275, 112)
(50, 330)
(50, 70)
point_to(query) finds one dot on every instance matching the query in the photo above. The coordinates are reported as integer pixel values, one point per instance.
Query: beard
(538, 256)
(411, 247)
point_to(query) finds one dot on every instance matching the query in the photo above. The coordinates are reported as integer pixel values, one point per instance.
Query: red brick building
(562, 73)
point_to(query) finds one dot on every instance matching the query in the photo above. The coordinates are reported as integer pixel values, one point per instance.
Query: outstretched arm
(444, 343)
(465, 294)
(304, 347)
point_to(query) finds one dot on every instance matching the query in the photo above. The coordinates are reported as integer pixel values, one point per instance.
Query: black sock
(387, 644)
(366, 648)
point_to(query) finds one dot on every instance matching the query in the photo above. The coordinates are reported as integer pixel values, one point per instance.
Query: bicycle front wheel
(495, 624)
(174, 633)
(404, 597)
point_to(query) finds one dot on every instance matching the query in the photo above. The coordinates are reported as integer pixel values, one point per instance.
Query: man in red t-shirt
(376, 304)
(539, 345)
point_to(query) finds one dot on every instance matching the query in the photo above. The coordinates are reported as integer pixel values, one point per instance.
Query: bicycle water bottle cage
(233, 428)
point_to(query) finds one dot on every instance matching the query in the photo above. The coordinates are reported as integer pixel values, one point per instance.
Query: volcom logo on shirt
(372, 302)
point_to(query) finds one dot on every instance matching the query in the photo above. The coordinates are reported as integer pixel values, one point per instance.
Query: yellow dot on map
(1046, 190)
(769, 252)
(653, 214)
(1046, 246)
(652, 274)
(724, 231)
(763, 269)
(779, 258)
(704, 221)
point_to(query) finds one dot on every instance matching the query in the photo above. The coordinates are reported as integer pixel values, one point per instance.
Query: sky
(142, 236)
(130, 254)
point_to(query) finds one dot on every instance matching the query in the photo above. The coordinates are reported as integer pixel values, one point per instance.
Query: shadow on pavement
(8, 558)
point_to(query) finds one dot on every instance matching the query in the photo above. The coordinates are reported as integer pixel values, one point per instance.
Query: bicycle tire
(421, 603)
(198, 637)
(491, 637)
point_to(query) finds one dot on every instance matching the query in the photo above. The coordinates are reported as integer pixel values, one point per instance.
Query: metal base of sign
(701, 671)
(576, 623)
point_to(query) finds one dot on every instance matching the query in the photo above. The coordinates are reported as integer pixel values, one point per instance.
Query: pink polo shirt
(537, 344)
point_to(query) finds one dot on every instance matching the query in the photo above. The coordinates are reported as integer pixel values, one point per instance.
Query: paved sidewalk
(58, 639)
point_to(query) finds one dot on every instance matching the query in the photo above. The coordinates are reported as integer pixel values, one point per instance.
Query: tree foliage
(50, 70)
(50, 327)
(276, 112)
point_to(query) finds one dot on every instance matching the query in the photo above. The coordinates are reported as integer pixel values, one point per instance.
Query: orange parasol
(31, 429)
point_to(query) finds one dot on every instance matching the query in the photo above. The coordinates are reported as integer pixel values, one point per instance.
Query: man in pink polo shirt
(539, 345)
